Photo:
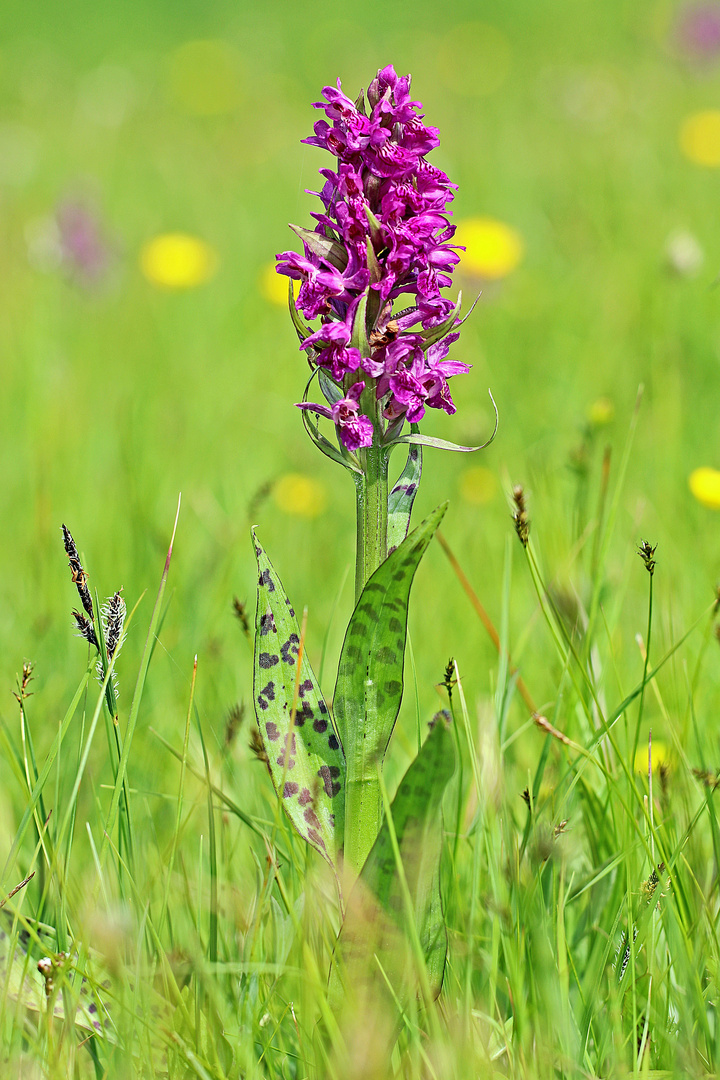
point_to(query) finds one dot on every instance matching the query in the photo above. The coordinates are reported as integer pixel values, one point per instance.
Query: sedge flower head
(178, 261)
(383, 232)
(705, 486)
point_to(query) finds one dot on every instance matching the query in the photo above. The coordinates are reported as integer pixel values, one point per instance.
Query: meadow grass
(571, 954)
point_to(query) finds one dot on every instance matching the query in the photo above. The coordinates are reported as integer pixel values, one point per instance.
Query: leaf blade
(369, 683)
(377, 920)
(402, 496)
(305, 757)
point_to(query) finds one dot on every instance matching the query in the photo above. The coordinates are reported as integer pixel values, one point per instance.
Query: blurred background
(150, 160)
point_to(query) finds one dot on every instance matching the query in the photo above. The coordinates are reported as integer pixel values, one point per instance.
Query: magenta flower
(354, 429)
(384, 232)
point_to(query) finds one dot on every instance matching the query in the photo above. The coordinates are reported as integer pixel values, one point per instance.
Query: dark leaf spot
(265, 579)
(268, 660)
(316, 839)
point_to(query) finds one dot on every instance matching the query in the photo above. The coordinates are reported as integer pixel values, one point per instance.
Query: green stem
(371, 492)
(363, 800)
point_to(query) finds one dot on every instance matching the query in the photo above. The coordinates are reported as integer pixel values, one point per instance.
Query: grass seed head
(646, 552)
(85, 628)
(235, 717)
(79, 576)
(257, 746)
(240, 610)
(520, 515)
(23, 682)
(113, 617)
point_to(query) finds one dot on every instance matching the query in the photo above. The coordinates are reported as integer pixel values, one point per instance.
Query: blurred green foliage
(559, 118)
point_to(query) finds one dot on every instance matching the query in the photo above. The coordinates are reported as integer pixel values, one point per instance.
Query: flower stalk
(373, 275)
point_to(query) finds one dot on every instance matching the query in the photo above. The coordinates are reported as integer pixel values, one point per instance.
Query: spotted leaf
(304, 754)
(369, 684)
(402, 496)
(24, 951)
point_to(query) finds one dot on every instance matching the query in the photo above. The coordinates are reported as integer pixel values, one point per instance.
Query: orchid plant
(373, 272)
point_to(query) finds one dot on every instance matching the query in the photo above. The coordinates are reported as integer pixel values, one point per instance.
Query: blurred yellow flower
(205, 78)
(661, 757)
(705, 486)
(492, 248)
(300, 495)
(478, 485)
(601, 412)
(178, 261)
(700, 138)
(273, 286)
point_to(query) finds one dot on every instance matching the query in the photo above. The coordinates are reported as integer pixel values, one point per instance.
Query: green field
(562, 120)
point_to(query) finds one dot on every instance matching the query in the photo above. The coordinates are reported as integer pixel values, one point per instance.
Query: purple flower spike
(384, 232)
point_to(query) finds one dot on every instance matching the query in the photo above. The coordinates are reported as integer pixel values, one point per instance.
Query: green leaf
(304, 754)
(369, 684)
(395, 909)
(373, 264)
(402, 496)
(441, 444)
(320, 245)
(22, 944)
(338, 454)
(435, 333)
(359, 338)
(331, 391)
(302, 329)
(376, 235)
(313, 430)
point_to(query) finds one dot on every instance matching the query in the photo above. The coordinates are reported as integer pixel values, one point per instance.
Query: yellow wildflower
(705, 486)
(661, 758)
(492, 248)
(273, 286)
(178, 261)
(601, 412)
(300, 495)
(700, 138)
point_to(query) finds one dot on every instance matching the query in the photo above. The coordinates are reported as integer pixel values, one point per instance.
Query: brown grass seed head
(520, 515)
